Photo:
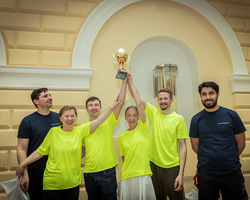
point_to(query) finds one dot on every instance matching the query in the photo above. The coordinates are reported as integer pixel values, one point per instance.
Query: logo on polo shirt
(55, 124)
(221, 123)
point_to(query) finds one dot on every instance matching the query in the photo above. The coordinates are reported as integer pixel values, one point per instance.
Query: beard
(167, 106)
(212, 105)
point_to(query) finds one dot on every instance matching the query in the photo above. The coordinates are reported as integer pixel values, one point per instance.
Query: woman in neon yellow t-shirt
(136, 183)
(63, 145)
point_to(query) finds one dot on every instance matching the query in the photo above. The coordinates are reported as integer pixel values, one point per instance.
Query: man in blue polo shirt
(31, 133)
(217, 136)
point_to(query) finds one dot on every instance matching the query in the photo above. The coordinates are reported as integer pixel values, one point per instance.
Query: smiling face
(209, 97)
(164, 100)
(68, 120)
(44, 100)
(94, 109)
(132, 118)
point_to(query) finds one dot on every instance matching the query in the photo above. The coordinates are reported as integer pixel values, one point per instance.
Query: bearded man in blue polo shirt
(217, 136)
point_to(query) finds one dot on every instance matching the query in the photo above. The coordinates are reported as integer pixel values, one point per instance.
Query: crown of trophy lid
(121, 56)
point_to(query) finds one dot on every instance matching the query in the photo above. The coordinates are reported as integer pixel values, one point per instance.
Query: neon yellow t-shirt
(63, 168)
(133, 145)
(164, 135)
(100, 154)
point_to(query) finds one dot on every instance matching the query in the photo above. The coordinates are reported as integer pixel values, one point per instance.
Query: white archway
(240, 80)
(95, 21)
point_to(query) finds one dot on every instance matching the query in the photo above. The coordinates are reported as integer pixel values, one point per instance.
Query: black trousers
(68, 194)
(230, 186)
(163, 180)
(36, 187)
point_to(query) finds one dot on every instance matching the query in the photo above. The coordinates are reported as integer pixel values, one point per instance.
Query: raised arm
(134, 92)
(143, 102)
(32, 158)
(122, 95)
(97, 122)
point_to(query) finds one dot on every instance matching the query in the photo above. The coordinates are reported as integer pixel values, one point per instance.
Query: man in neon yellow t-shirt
(167, 147)
(100, 157)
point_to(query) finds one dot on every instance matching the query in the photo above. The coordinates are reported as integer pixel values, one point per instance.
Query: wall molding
(23, 77)
(239, 83)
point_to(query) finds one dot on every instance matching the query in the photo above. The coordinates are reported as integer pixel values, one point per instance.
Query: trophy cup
(121, 57)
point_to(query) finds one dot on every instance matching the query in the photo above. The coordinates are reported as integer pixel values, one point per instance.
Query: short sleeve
(238, 125)
(120, 146)
(182, 129)
(112, 120)
(84, 130)
(46, 144)
(150, 111)
(145, 128)
(24, 130)
(193, 132)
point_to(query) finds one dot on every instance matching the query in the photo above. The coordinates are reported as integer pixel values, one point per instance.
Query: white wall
(165, 50)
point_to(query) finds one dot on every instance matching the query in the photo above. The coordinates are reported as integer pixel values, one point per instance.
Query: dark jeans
(36, 187)
(101, 185)
(67, 194)
(230, 186)
(163, 180)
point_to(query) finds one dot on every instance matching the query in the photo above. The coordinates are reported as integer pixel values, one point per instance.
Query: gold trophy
(121, 58)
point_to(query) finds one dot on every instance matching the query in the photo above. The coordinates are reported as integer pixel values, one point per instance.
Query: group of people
(50, 149)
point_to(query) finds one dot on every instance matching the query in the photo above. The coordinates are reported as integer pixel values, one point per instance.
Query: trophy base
(121, 75)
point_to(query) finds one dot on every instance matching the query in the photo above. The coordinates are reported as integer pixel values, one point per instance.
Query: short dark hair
(133, 107)
(92, 99)
(166, 91)
(36, 93)
(65, 108)
(209, 84)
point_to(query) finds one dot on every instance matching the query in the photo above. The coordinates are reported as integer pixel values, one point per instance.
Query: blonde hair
(133, 107)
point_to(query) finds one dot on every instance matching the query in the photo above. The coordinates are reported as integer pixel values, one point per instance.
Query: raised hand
(115, 103)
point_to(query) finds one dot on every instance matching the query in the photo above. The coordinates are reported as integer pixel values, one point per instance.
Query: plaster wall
(151, 32)
(42, 33)
(148, 50)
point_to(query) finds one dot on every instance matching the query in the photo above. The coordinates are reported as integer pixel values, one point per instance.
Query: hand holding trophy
(121, 58)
